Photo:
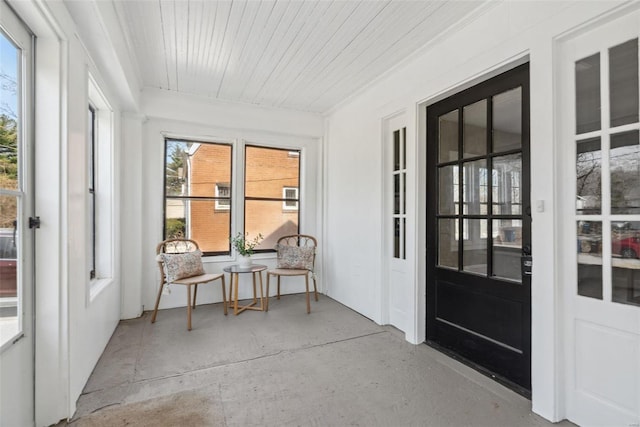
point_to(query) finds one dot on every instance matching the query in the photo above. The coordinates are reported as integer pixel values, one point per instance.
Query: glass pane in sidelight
(475, 129)
(588, 176)
(448, 134)
(623, 83)
(507, 120)
(396, 193)
(624, 160)
(589, 247)
(588, 94)
(474, 258)
(403, 164)
(448, 243)
(625, 252)
(396, 150)
(507, 249)
(396, 237)
(474, 188)
(507, 184)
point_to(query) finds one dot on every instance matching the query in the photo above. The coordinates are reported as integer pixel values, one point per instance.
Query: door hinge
(34, 222)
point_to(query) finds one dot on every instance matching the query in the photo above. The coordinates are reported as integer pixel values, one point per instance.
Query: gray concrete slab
(285, 367)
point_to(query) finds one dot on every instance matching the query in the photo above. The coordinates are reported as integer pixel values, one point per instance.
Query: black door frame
(480, 353)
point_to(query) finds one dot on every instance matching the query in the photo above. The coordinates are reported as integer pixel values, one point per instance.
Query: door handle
(526, 261)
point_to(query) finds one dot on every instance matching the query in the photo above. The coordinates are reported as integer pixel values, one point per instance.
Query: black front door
(479, 226)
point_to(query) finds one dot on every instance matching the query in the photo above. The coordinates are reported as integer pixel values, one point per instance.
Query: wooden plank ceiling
(305, 55)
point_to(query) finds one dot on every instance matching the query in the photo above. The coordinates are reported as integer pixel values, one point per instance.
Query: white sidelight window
(100, 188)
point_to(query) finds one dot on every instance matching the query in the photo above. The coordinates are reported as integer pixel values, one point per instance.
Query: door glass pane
(623, 83)
(448, 190)
(8, 254)
(403, 178)
(10, 283)
(403, 235)
(396, 237)
(507, 184)
(590, 259)
(625, 251)
(475, 129)
(474, 194)
(474, 257)
(624, 158)
(447, 243)
(9, 68)
(396, 193)
(403, 164)
(396, 150)
(507, 248)
(588, 176)
(448, 130)
(588, 94)
(507, 120)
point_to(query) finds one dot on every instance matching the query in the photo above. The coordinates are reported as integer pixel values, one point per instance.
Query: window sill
(97, 286)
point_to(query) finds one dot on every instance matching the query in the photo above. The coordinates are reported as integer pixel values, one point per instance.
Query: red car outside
(8, 264)
(628, 247)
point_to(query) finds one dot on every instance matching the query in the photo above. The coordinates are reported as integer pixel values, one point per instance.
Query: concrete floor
(284, 367)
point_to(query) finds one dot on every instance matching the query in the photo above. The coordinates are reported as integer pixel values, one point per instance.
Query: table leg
(254, 288)
(261, 292)
(235, 297)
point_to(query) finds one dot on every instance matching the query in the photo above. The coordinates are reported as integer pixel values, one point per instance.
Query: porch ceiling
(304, 55)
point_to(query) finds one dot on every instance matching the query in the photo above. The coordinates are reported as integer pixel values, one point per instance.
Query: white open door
(398, 283)
(16, 249)
(599, 176)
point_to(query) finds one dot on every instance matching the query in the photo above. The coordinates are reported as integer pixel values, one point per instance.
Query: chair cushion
(295, 257)
(180, 266)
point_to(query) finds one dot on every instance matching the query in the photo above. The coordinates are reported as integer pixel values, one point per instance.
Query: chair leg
(189, 307)
(315, 288)
(306, 283)
(155, 310)
(278, 286)
(266, 308)
(195, 292)
(224, 296)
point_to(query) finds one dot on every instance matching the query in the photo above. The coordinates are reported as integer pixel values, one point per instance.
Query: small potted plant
(244, 247)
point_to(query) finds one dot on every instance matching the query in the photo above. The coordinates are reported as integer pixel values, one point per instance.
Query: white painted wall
(203, 119)
(506, 33)
(92, 316)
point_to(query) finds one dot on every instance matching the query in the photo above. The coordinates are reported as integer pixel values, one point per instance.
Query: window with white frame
(272, 197)
(101, 188)
(91, 166)
(197, 183)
